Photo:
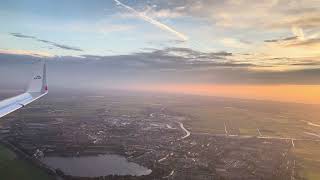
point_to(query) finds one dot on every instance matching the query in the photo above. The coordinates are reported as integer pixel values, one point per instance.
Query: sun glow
(286, 93)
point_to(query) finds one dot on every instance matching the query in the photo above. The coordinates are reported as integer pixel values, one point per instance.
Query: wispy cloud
(152, 21)
(234, 43)
(315, 42)
(282, 39)
(297, 31)
(26, 52)
(171, 58)
(300, 39)
(163, 13)
(263, 14)
(61, 46)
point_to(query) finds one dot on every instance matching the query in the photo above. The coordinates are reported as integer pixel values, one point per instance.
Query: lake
(93, 166)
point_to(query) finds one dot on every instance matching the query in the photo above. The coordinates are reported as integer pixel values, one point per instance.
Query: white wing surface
(38, 87)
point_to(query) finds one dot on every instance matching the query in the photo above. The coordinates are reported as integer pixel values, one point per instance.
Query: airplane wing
(38, 87)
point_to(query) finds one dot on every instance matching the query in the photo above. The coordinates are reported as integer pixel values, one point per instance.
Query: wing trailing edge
(37, 88)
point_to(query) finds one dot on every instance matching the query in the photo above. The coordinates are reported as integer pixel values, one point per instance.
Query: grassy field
(272, 119)
(12, 168)
(308, 155)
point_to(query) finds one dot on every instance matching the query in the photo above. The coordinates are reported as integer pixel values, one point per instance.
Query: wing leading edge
(38, 87)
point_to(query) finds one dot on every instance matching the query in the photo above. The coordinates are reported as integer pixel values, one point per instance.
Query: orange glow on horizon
(309, 94)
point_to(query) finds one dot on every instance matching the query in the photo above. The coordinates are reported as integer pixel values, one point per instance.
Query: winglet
(38, 87)
(38, 82)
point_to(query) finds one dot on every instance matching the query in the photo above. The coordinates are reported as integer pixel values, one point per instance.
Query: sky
(270, 48)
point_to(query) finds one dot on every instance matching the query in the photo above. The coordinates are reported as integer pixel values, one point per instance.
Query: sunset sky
(259, 49)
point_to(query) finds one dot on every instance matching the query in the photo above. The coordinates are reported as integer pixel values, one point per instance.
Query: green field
(12, 168)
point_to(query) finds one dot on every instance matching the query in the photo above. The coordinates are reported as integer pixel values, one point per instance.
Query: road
(259, 137)
(312, 134)
(185, 130)
(225, 129)
(164, 158)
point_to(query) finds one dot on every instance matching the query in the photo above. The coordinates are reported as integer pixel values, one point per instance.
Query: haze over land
(164, 136)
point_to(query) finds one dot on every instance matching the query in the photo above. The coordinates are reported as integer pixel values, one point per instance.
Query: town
(150, 135)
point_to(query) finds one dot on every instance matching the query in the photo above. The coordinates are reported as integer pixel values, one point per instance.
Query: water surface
(93, 166)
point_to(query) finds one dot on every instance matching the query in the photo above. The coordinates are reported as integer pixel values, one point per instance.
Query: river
(185, 130)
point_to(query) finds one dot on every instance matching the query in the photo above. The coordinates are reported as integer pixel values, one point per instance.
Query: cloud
(65, 47)
(163, 13)
(154, 22)
(170, 59)
(26, 52)
(262, 14)
(234, 43)
(282, 39)
(61, 46)
(313, 21)
(297, 31)
(193, 56)
(22, 35)
(315, 42)
(300, 39)
(185, 58)
(153, 68)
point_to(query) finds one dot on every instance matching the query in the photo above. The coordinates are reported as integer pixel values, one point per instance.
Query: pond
(93, 166)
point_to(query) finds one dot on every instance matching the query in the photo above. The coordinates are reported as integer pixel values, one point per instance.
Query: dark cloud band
(61, 46)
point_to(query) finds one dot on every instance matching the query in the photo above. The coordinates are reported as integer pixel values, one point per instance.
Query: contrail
(152, 21)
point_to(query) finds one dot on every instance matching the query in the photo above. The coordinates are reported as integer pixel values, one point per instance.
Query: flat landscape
(169, 136)
(11, 167)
